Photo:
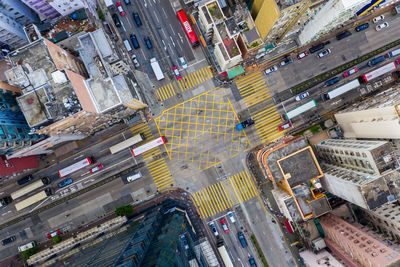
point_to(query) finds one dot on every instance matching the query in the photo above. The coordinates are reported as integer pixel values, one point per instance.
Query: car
(350, 72)
(135, 61)
(302, 96)
(302, 55)
(343, 35)
(231, 218)
(134, 41)
(137, 19)
(53, 234)
(97, 168)
(25, 179)
(316, 48)
(148, 42)
(65, 183)
(213, 228)
(285, 126)
(8, 240)
(382, 26)
(120, 9)
(242, 239)
(286, 61)
(324, 53)
(362, 27)
(252, 262)
(244, 124)
(116, 20)
(184, 241)
(133, 177)
(128, 2)
(183, 63)
(272, 69)
(378, 18)
(224, 225)
(176, 72)
(332, 81)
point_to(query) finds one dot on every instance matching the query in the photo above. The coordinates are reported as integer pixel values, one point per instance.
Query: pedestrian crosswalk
(195, 78)
(167, 91)
(191, 80)
(153, 158)
(223, 195)
(256, 95)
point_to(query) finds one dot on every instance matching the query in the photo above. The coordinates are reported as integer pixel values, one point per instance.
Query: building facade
(357, 245)
(13, 16)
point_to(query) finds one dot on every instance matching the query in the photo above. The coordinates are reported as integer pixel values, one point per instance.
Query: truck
(244, 124)
(375, 61)
(156, 69)
(394, 53)
(108, 3)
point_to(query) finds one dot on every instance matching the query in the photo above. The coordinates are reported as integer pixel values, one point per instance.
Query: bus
(148, 146)
(226, 258)
(188, 28)
(76, 167)
(127, 143)
(341, 89)
(29, 188)
(33, 199)
(300, 109)
(378, 72)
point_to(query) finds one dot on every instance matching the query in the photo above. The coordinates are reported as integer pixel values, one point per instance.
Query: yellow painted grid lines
(244, 185)
(165, 92)
(267, 122)
(212, 200)
(195, 78)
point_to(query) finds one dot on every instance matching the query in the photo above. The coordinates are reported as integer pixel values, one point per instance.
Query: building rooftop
(323, 258)
(47, 92)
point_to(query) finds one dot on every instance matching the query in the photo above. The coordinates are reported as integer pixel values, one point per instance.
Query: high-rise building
(359, 171)
(43, 8)
(13, 16)
(357, 245)
(363, 119)
(14, 130)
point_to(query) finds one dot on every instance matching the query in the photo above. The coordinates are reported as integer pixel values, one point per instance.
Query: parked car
(302, 96)
(97, 168)
(134, 177)
(242, 239)
(65, 183)
(252, 262)
(324, 53)
(148, 42)
(286, 61)
(116, 20)
(183, 62)
(184, 241)
(224, 225)
(343, 35)
(8, 240)
(120, 9)
(285, 126)
(231, 218)
(302, 55)
(53, 234)
(350, 72)
(382, 26)
(25, 179)
(176, 72)
(332, 81)
(316, 48)
(362, 27)
(137, 19)
(378, 18)
(135, 61)
(213, 228)
(134, 41)
(272, 69)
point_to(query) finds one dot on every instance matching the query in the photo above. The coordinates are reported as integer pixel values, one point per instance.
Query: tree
(124, 210)
(57, 239)
(101, 14)
(29, 252)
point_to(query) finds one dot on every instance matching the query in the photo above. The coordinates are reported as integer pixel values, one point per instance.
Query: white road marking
(180, 37)
(197, 62)
(155, 15)
(40, 204)
(170, 37)
(6, 213)
(165, 13)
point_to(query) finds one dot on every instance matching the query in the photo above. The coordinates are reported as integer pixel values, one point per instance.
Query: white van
(127, 45)
(133, 177)
(27, 246)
